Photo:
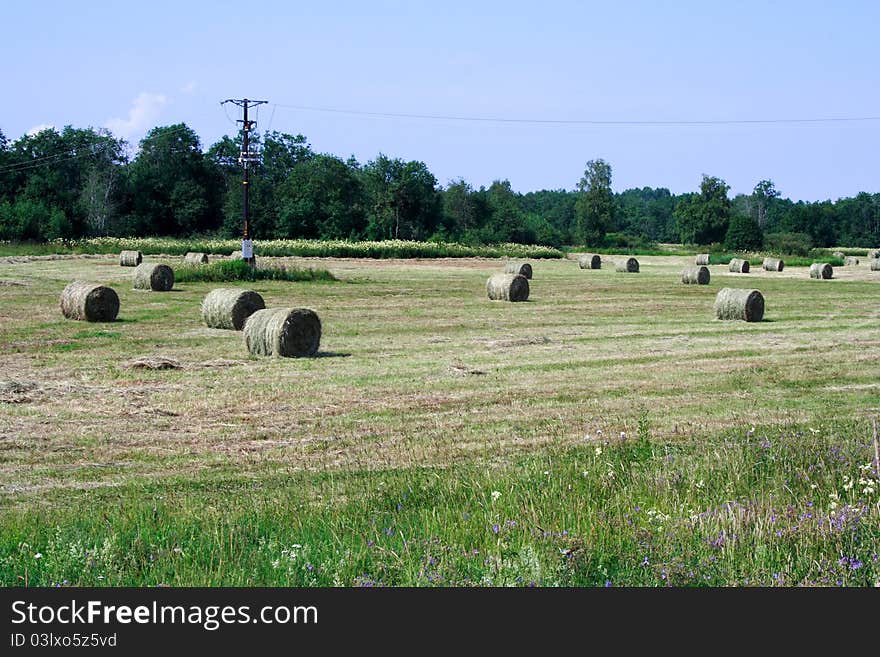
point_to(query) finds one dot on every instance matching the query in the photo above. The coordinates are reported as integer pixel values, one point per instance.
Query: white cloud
(142, 116)
(189, 87)
(39, 128)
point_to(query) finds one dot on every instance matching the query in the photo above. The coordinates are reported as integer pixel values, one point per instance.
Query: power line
(584, 122)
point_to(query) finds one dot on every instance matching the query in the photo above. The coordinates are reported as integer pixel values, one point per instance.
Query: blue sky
(131, 67)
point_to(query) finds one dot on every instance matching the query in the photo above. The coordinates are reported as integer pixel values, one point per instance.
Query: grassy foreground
(440, 438)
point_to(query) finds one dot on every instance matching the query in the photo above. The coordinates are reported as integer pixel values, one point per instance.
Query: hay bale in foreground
(130, 258)
(739, 266)
(773, 264)
(229, 308)
(89, 302)
(821, 270)
(875, 264)
(283, 332)
(695, 275)
(521, 268)
(590, 261)
(153, 276)
(507, 287)
(702, 259)
(734, 303)
(630, 265)
(194, 258)
(850, 261)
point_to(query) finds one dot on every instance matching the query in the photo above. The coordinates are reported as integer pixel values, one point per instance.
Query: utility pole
(245, 157)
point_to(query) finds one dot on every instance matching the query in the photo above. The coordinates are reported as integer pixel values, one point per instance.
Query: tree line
(82, 182)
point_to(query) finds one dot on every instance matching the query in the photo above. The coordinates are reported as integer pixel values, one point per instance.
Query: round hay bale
(821, 270)
(733, 303)
(773, 264)
(153, 276)
(695, 275)
(287, 332)
(90, 302)
(507, 287)
(838, 254)
(874, 254)
(590, 261)
(194, 258)
(229, 308)
(630, 265)
(521, 268)
(850, 261)
(130, 258)
(739, 266)
(702, 259)
(875, 264)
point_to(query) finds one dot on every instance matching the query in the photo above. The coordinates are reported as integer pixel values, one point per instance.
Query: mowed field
(510, 442)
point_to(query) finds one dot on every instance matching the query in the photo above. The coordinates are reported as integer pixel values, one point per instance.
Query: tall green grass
(771, 507)
(239, 270)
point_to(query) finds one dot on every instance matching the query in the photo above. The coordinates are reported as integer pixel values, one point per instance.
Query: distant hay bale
(838, 254)
(630, 265)
(286, 332)
(773, 264)
(194, 258)
(130, 258)
(821, 270)
(153, 276)
(695, 275)
(89, 302)
(733, 303)
(507, 287)
(874, 254)
(702, 259)
(850, 261)
(739, 266)
(875, 264)
(521, 268)
(229, 308)
(590, 261)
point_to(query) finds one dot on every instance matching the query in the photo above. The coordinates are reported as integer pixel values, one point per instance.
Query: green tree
(175, 190)
(321, 198)
(704, 218)
(402, 199)
(743, 234)
(761, 199)
(595, 208)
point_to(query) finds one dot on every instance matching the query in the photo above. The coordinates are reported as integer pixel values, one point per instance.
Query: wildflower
(495, 495)
(38, 555)
(607, 583)
(598, 451)
(495, 529)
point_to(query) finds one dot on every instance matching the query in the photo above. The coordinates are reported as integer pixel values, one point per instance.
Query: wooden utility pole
(246, 157)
